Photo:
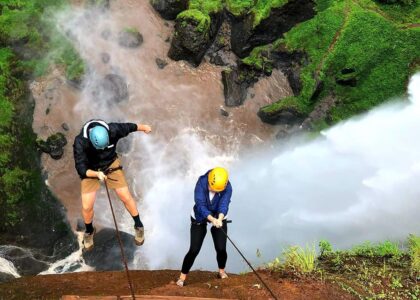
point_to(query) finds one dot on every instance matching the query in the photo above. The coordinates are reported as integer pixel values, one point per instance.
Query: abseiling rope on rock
(249, 264)
(121, 245)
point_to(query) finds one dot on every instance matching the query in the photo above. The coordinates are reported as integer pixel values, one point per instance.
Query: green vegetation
(239, 7)
(201, 20)
(25, 38)
(368, 271)
(262, 9)
(355, 40)
(206, 6)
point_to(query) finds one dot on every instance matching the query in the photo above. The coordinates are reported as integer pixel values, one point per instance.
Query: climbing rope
(249, 264)
(121, 245)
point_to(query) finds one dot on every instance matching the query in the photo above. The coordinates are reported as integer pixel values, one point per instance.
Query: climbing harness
(120, 242)
(249, 264)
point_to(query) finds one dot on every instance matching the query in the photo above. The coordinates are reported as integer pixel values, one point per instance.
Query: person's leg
(130, 204)
(198, 233)
(220, 239)
(88, 201)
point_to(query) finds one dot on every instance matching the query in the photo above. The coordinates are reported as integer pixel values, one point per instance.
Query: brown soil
(200, 284)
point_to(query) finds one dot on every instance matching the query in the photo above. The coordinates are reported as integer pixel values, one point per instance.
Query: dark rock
(161, 63)
(65, 126)
(130, 38)
(53, 145)
(166, 24)
(245, 36)
(167, 40)
(47, 111)
(105, 57)
(287, 115)
(23, 260)
(223, 112)
(106, 34)
(190, 42)
(290, 63)
(234, 89)
(169, 9)
(286, 131)
(4, 277)
(321, 112)
(106, 255)
(217, 60)
(111, 89)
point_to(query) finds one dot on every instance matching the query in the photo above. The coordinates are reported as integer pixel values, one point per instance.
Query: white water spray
(358, 181)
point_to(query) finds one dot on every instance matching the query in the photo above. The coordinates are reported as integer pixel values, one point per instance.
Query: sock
(137, 222)
(89, 228)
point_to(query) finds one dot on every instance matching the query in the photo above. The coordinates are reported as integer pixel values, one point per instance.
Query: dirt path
(200, 284)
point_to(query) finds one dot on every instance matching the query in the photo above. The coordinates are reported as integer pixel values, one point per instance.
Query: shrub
(300, 260)
(414, 251)
(324, 247)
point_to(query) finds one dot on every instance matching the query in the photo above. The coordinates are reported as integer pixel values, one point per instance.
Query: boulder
(169, 9)
(161, 63)
(246, 35)
(112, 88)
(194, 33)
(53, 145)
(234, 89)
(4, 277)
(24, 261)
(130, 38)
(287, 115)
(106, 255)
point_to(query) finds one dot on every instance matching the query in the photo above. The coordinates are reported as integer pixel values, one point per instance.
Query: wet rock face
(169, 9)
(106, 255)
(53, 145)
(111, 89)
(245, 36)
(130, 38)
(286, 116)
(190, 42)
(24, 261)
(234, 90)
(4, 277)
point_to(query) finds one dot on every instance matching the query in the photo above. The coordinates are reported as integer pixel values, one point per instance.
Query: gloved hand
(217, 223)
(101, 176)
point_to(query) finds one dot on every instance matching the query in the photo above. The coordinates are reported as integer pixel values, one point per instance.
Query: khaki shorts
(117, 181)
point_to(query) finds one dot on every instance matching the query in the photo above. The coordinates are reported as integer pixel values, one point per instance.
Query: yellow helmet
(218, 179)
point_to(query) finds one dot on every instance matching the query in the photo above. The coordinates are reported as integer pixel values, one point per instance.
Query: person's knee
(124, 195)
(194, 251)
(87, 208)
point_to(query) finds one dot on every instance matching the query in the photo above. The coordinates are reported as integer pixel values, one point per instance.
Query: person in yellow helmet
(212, 195)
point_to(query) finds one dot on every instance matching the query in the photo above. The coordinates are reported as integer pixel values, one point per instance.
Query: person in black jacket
(96, 160)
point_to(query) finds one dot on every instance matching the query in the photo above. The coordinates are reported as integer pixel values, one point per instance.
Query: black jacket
(87, 157)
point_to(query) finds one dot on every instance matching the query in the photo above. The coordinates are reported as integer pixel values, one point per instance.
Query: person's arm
(201, 202)
(123, 129)
(80, 158)
(143, 127)
(224, 202)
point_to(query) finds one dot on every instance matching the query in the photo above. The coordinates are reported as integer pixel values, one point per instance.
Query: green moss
(206, 6)
(239, 7)
(259, 58)
(262, 9)
(201, 20)
(347, 35)
(131, 30)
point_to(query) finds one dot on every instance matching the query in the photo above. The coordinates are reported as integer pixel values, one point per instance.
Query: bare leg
(88, 200)
(128, 200)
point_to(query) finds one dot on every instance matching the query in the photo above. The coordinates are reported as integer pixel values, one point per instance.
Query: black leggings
(198, 232)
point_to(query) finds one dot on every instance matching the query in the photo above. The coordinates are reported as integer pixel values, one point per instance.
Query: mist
(357, 181)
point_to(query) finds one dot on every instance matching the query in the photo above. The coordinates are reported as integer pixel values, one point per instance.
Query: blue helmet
(99, 137)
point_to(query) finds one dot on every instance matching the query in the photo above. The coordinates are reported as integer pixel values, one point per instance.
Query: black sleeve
(122, 129)
(80, 157)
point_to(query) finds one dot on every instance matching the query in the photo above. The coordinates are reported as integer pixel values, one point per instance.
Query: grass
(384, 270)
(351, 34)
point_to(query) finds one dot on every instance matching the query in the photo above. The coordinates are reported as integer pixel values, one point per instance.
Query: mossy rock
(169, 9)
(53, 145)
(130, 38)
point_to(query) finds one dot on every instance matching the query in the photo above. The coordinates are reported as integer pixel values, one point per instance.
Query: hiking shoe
(139, 235)
(180, 283)
(222, 275)
(88, 240)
